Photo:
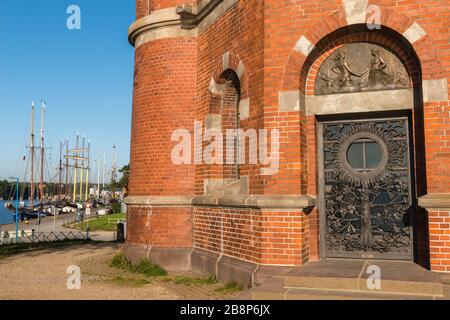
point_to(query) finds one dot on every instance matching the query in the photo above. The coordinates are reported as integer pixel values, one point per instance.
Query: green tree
(123, 182)
(125, 171)
(4, 189)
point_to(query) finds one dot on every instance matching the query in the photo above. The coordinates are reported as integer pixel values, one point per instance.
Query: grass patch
(101, 223)
(228, 288)
(189, 281)
(120, 262)
(130, 282)
(149, 269)
(13, 249)
(144, 267)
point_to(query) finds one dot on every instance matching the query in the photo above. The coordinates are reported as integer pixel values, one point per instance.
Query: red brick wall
(269, 238)
(160, 227)
(437, 137)
(141, 8)
(440, 240)
(163, 101)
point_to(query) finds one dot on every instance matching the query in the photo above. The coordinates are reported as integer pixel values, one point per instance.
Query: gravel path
(42, 275)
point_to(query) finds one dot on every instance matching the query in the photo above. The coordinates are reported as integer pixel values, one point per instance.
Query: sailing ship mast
(104, 171)
(67, 189)
(81, 168)
(113, 169)
(75, 171)
(31, 195)
(41, 185)
(88, 170)
(60, 171)
(113, 172)
(98, 175)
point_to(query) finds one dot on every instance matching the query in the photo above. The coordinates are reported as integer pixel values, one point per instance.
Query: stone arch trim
(411, 31)
(229, 61)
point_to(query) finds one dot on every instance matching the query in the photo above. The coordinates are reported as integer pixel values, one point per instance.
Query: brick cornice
(159, 201)
(294, 202)
(181, 21)
(192, 15)
(203, 14)
(435, 202)
(164, 22)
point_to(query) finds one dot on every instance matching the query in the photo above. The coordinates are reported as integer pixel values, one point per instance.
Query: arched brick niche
(230, 120)
(228, 109)
(223, 115)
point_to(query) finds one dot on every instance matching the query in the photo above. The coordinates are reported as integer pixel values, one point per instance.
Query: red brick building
(354, 93)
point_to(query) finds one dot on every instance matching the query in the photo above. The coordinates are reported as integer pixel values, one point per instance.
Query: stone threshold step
(311, 294)
(396, 277)
(361, 285)
(274, 289)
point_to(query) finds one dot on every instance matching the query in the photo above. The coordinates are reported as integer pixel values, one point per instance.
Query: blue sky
(85, 76)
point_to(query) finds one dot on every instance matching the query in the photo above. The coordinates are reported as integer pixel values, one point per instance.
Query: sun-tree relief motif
(367, 189)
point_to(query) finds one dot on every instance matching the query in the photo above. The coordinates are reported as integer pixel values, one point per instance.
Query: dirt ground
(42, 275)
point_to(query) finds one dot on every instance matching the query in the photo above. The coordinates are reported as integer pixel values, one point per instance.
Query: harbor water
(5, 215)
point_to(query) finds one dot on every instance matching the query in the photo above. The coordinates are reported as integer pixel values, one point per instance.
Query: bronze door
(365, 179)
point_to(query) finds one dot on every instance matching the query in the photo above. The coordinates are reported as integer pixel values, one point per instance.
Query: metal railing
(71, 221)
(30, 237)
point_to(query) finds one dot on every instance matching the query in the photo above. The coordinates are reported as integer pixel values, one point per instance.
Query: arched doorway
(362, 93)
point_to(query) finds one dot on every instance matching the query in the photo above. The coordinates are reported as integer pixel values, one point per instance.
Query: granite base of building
(229, 269)
(173, 259)
(225, 269)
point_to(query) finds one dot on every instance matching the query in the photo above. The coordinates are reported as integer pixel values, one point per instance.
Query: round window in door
(367, 189)
(364, 155)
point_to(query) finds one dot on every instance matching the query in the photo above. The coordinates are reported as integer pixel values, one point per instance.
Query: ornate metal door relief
(366, 189)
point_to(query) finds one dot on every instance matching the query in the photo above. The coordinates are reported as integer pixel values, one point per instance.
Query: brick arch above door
(404, 26)
(402, 61)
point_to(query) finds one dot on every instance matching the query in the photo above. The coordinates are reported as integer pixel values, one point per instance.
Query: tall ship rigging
(33, 209)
